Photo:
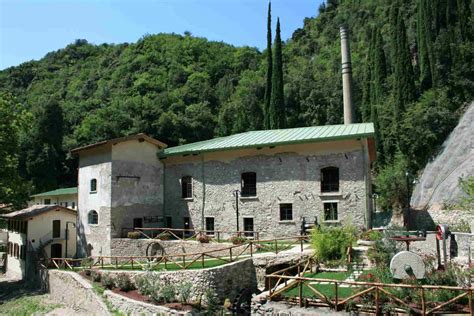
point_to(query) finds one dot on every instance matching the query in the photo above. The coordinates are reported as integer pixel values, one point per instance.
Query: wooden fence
(189, 234)
(184, 260)
(366, 296)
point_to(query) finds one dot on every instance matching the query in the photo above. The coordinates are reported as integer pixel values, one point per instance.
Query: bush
(371, 235)
(237, 240)
(168, 293)
(203, 238)
(383, 250)
(122, 281)
(165, 236)
(95, 275)
(184, 291)
(87, 262)
(133, 235)
(212, 302)
(148, 283)
(107, 281)
(331, 243)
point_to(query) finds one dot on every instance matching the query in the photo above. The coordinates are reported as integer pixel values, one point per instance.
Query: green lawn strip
(169, 266)
(326, 289)
(27, 305)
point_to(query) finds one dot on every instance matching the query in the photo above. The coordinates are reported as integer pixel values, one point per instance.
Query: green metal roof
(62, 191)
(275, 137)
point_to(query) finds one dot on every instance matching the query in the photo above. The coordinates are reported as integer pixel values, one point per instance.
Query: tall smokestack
(346, 76)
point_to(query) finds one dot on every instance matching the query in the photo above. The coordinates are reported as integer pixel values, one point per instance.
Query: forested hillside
(412, 66)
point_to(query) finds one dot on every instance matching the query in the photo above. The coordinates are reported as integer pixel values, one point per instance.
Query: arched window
(93, 185)
(249, 184)
(186, 187)
(93, 217)
(330, 179)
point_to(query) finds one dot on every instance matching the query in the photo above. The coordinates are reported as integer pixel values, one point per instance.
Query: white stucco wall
(70, 199)
(16, 266)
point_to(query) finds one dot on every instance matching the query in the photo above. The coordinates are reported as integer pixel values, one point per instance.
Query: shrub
(203, 238)
(107, 281)
(371, 235)
(95, 275)
(237, 240)
(133, 235)
(212, 302)
(168, 293)
(87, 262)
(165, 236)
(122, 281)
(184, 291)
(331, 243)
(148, 284)
(382, 252)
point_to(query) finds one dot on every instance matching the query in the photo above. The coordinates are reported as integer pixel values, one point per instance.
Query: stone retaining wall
(72, 290)
(137, 247)
(226, 280)
(133, 307)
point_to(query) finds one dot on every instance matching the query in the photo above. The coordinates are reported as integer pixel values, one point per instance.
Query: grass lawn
(27, 305)
(326, 289)
(269, 246)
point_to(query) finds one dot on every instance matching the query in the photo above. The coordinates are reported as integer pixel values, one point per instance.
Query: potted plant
(203, 238)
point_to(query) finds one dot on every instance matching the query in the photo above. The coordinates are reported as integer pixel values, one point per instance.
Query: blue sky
(31, 28)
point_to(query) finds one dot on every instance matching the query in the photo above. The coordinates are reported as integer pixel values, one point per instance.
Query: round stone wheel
(406, 264)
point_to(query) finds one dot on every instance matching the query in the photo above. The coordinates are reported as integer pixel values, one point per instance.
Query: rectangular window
(330, 211)
(66, 204)
(330, 179)
(47, 201)
(74, 205)
(210, 225)
(187, 187)
(249, 184)
(56, 228)
(248, 226)
(286, 212)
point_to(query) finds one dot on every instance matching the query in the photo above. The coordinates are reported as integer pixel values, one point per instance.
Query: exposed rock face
(439, 184)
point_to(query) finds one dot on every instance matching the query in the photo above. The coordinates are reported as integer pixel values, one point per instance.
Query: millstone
(406, 264)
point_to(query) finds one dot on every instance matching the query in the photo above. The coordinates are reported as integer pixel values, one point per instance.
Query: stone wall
(281, 178)
(428, 219)
(70, 289)
(226, 280)
(428, 247)
(137, 247)
(133, 307)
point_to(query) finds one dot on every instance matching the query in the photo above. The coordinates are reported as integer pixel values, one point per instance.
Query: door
(248, 226)
(187, 226)
(56, 251)
(137, 222)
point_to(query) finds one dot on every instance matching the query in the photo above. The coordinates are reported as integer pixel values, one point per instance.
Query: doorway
(56, 251)
(248, 226)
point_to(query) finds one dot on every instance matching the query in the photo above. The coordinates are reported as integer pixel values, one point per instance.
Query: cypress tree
(404, 85)
(424, 44)
(379, 69)
(277, 102)
(268, 87)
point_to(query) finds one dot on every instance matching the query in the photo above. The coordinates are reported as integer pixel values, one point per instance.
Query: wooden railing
(184, 260)
(375, 294)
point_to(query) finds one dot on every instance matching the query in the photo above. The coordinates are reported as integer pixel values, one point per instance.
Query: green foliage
(149, 284)
(123, 282)
(331, 243)
(276, 112)
(392, 185)
(133, 235)
(371, 235)
(467, 186)
(107, 281)
(184, 290)
(268, 86)
(237, 240)
(96, 275)
(213, 304)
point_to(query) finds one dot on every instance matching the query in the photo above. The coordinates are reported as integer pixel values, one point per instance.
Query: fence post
(269, 289)
(470, 301)
(276, 246)
(184, 262)
(300, 293)
(116, 263)
(132, 262)
(102, 262)
(218, 236)
(423, 304)
(251, 249)
(336, 299)
(301, 244)
(202, 260)
(377, 306)
(230, 250)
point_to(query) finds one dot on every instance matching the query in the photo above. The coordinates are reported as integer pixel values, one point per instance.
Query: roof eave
(197, 152)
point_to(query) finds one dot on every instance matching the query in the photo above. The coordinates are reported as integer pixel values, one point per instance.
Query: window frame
(331, 215)
(248, 233)
(93, 185)
(47, 201)
(187, 187)
(285, 211)
(248, 184)
(90, 217)
(330, 185)
(56, 231)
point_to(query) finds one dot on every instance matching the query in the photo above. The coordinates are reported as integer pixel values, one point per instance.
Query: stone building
(264, 181)
(66, 197)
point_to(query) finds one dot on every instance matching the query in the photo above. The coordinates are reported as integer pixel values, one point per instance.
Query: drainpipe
(368, 188)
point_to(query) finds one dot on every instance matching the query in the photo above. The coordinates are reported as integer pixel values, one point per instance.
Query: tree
(45, 155)
(268, 87)
(277, 101)
(425, 42)
(13, 189)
